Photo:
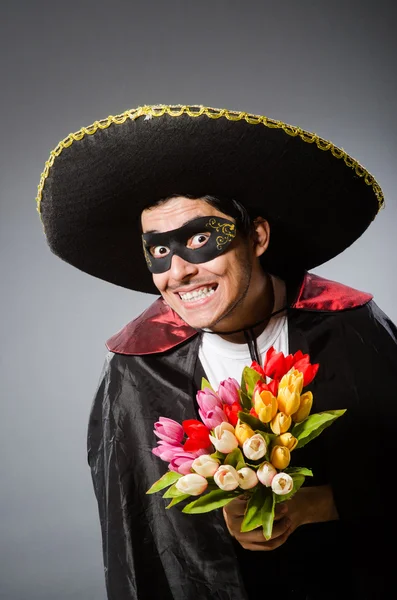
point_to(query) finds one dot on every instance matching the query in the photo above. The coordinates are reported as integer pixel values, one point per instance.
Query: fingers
(254, 540)
(236, 508)
(280, 511)
(271, 544)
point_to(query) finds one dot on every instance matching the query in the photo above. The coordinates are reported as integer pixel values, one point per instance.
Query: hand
(254, 540)
(309, 505)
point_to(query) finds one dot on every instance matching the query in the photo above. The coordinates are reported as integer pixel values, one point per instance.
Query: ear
(261, 235)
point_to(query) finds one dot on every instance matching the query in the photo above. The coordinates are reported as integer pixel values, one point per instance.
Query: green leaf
(173, 492)
(252, 421)
(206, 384)
(298, 482)
(253, 512)
(169, 478)
(210, 501)
(234, 457)
(177, 500)
(244, 400)
(267, 514)
(218, 456)
(268, 437)
(315, 424)
(240, 465)
(250, 377)
(299, 471)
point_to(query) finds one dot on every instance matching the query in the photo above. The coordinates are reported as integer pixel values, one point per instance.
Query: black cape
(151, 553)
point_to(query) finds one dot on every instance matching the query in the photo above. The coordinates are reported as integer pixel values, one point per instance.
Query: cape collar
(159, 328)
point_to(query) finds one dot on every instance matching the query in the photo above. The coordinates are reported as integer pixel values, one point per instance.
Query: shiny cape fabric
(152, 553)
(159, 328)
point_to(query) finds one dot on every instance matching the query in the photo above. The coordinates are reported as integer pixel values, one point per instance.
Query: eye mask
(222, 233)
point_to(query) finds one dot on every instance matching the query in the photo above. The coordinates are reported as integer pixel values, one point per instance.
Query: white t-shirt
(222, 359)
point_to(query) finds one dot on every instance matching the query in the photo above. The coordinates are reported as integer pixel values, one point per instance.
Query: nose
(180, 268)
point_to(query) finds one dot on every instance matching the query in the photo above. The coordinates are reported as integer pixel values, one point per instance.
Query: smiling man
(212, 285)
(224, 214)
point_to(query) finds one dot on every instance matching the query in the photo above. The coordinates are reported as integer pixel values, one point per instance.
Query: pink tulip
(228, 391)
(169, 430)
(167, 451)
(182, 461)
(210, 410)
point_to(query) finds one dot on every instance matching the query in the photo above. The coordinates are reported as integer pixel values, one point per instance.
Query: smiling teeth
(196, 294)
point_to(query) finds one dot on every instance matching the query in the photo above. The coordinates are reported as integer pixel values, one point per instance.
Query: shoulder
(157, 329)
(320, 294)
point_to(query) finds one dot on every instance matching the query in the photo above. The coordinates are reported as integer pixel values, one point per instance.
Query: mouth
(198, 294)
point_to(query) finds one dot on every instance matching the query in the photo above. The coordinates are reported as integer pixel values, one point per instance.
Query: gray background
(326, 66)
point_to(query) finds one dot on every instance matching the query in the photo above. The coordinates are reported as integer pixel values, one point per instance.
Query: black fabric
(97, 187)
(151, 553)
(222, 233)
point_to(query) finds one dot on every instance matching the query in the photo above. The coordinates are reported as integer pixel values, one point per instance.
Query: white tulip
(266, 473)
(255, 447)
(192, 484)
(282, 484)
(247, 478)
(224, 439)
(226, 478)
(205, 465)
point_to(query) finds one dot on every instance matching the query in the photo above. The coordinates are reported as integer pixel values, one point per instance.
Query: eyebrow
(183, 225)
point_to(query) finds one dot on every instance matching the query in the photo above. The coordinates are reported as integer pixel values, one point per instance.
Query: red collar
(159, 328)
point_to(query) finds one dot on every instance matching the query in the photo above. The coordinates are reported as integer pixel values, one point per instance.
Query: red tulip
(309, 371)
(268, 387)
(256, 367)
(276, 364)
(198, 435)
(231, 411)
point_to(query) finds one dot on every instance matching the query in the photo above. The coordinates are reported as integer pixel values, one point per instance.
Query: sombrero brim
(96, 183)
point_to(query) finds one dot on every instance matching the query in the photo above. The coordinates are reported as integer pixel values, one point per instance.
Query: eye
(159, 251)
(198, 240)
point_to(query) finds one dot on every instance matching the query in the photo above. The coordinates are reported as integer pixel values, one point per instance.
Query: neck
(256, 312)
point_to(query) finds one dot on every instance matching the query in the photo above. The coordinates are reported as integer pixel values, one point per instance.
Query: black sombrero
(97, 181)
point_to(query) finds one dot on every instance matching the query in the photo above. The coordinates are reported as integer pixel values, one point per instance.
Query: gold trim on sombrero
(212, 113)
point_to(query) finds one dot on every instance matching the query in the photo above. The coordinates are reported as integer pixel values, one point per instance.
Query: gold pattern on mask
(228, 231)
(146, 253)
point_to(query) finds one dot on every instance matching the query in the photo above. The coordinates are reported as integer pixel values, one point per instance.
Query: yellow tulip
(243, 432)
(280, 457)
(304, 409)
(293, 378)
(288, 400)
(265, 405)
(289, 391)
(287, 440)
(280, 423)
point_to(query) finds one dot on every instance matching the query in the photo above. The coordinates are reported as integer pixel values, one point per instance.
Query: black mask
(222, 233)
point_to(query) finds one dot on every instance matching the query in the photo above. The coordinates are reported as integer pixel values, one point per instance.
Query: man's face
(201, 294)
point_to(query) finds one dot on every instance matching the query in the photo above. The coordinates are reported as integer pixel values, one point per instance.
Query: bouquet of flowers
(243, 443)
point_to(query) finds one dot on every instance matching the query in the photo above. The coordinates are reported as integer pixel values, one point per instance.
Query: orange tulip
(265, 405)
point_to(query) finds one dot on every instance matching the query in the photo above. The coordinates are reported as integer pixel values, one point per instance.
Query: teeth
(196, 294)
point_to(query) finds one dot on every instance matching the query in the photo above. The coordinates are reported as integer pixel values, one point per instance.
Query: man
(233, 210)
